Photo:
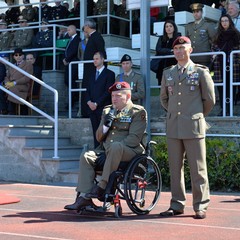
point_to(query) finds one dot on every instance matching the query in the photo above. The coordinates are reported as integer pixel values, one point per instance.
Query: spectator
(18, 83)
(233, 11)
(187, 94)
(37, 72)
(201, 34)
(62, 33)
(134, 79)
(82, 45)
(101, 9)
(120, 141)
(75, 11)
(6, 37)
(170, 15)
(121, 11)
(223, 6)
(12, 14)
(46, 11)
(164, 47)
(43, 38)
(227, 39)
(23, 37)
(28, 12)
(59, 11)
(3, 96)
(97, 95)
(71, 54)
(95, 44)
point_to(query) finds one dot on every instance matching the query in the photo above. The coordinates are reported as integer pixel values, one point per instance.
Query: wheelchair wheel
(142, 185)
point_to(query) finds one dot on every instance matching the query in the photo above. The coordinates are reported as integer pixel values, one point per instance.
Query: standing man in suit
(133, 78)
(187, 93)
(97, 95)
(122, 128)
(95, 44)
(71, 54)
(201, 33)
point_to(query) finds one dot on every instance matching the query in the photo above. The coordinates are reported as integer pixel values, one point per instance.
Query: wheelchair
(138, 182)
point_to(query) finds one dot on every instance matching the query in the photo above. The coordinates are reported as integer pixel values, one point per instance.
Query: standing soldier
(43, 38)
(134, 79)
(46, 11)
(59, 11)
(101, 9)
(23, 37)
(6, 37)
(28, 13)
(201, 34)
(122, 12)
(187, 93)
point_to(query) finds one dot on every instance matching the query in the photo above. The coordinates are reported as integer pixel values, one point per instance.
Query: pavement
(40, 215)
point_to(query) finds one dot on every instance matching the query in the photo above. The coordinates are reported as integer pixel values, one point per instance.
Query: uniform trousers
(195, 152)
(115, 153)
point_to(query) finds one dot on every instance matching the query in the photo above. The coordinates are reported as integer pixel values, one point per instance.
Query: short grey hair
(90, 23)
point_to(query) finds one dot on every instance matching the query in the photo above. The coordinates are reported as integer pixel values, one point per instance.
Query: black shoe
(80, 203)
(171, 212)
(96, 192)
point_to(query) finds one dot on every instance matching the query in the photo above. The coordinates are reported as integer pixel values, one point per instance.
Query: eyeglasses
(225, 20)
(17, 55)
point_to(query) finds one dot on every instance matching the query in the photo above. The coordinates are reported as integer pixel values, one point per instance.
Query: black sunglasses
(17, 55)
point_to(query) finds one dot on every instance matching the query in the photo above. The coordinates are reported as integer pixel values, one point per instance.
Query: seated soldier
(120, 134)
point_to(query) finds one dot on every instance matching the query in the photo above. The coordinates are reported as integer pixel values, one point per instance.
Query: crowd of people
(207, 36)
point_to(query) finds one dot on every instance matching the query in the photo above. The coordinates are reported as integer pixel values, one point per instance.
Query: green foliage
(223, 160)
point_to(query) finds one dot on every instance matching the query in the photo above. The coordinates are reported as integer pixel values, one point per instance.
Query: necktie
(97, 74)
(181, 71)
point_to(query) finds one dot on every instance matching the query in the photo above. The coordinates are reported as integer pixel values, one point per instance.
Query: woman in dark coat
(164, 47)
(227, 39)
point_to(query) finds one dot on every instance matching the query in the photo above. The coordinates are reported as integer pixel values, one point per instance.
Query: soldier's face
(197, 14)
(182, 52)
(127, 66)
(120, 99)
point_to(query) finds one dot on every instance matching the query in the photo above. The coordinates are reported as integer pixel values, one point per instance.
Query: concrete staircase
(26, 145)
(27, 152)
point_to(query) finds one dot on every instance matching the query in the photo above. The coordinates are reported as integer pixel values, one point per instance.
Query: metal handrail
(55, 119)
(223, 83)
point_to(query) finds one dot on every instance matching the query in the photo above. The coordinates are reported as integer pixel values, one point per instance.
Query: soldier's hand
(9, 85)
(109, 118)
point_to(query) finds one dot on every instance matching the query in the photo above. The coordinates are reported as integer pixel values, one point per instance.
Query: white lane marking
(32, 236)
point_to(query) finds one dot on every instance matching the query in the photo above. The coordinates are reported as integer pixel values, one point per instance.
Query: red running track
(40, 215)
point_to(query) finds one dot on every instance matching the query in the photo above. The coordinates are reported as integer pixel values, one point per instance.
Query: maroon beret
(117, 86)
(181, 40)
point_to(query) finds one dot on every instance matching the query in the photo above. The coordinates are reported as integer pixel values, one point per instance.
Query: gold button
(180, 83)
(179, 113)
(179, 93)
(113, 133)
(179, 103)
(111, 140)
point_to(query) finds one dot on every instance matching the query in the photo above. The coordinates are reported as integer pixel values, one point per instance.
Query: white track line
(32, 236)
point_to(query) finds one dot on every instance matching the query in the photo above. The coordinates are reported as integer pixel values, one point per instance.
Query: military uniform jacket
(201, 36)
(137, 85)
(129, 128)
(22, 38)
(59, 12)
(44, 39)
(5, 40)
(188, 99)
(22, 82)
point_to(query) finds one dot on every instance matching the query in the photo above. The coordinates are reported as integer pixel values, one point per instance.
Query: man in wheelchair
(120, 134)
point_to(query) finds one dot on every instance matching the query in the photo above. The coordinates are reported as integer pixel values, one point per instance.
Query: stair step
(64, 163)
(31, 130)
(19, 120)
(63, 151)
(41, 141)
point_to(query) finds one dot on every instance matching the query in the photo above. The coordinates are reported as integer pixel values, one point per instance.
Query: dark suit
(97, 91)
(95, 44)
(71, 54)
